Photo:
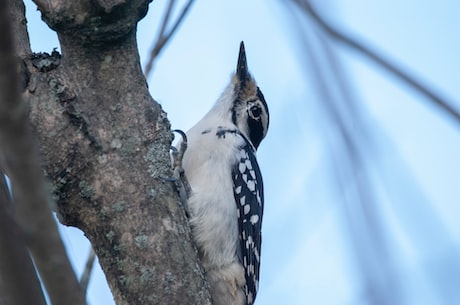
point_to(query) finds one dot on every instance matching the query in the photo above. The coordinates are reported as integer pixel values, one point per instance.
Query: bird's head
(249, 109)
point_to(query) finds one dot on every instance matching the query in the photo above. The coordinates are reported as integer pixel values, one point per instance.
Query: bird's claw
(179, 178)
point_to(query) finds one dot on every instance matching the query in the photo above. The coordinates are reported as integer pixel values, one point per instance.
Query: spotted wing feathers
(249, 197)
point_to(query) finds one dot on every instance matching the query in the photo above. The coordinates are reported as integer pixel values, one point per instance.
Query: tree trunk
(105, 145)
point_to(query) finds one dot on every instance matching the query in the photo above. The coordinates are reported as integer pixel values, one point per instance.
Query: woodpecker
(226, 199)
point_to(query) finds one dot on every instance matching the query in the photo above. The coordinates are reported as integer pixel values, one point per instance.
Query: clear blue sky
(308, 252)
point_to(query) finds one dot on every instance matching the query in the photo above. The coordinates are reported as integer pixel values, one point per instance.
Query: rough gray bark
(105, 144)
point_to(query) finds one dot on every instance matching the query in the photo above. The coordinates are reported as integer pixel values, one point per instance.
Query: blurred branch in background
(360, 168)
(17, 272)
(29, 218)
(379, 59)
(86, 276)
(165, 33)
(348, 143)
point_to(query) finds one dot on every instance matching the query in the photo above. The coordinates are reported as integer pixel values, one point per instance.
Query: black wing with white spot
(249, 197)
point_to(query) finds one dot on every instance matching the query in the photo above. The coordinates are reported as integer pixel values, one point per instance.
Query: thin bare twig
(85, 277)
(358, 201)
(355, 151)
(374, 56)
(19, 160)
(163, 38)
(165, 21)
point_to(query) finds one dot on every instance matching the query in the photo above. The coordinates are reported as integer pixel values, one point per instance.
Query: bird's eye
(256, 111)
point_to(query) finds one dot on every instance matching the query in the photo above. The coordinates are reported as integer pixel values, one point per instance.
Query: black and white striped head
(249, 109)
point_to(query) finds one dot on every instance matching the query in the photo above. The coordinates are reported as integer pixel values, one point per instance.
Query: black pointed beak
(242, 66)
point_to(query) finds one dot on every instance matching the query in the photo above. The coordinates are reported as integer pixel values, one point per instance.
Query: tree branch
(163, 38)
(18, 24)
(21, 163)
(17, 272)
(105, 145)
(379, 59)
(85, 277)
(166, 17)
